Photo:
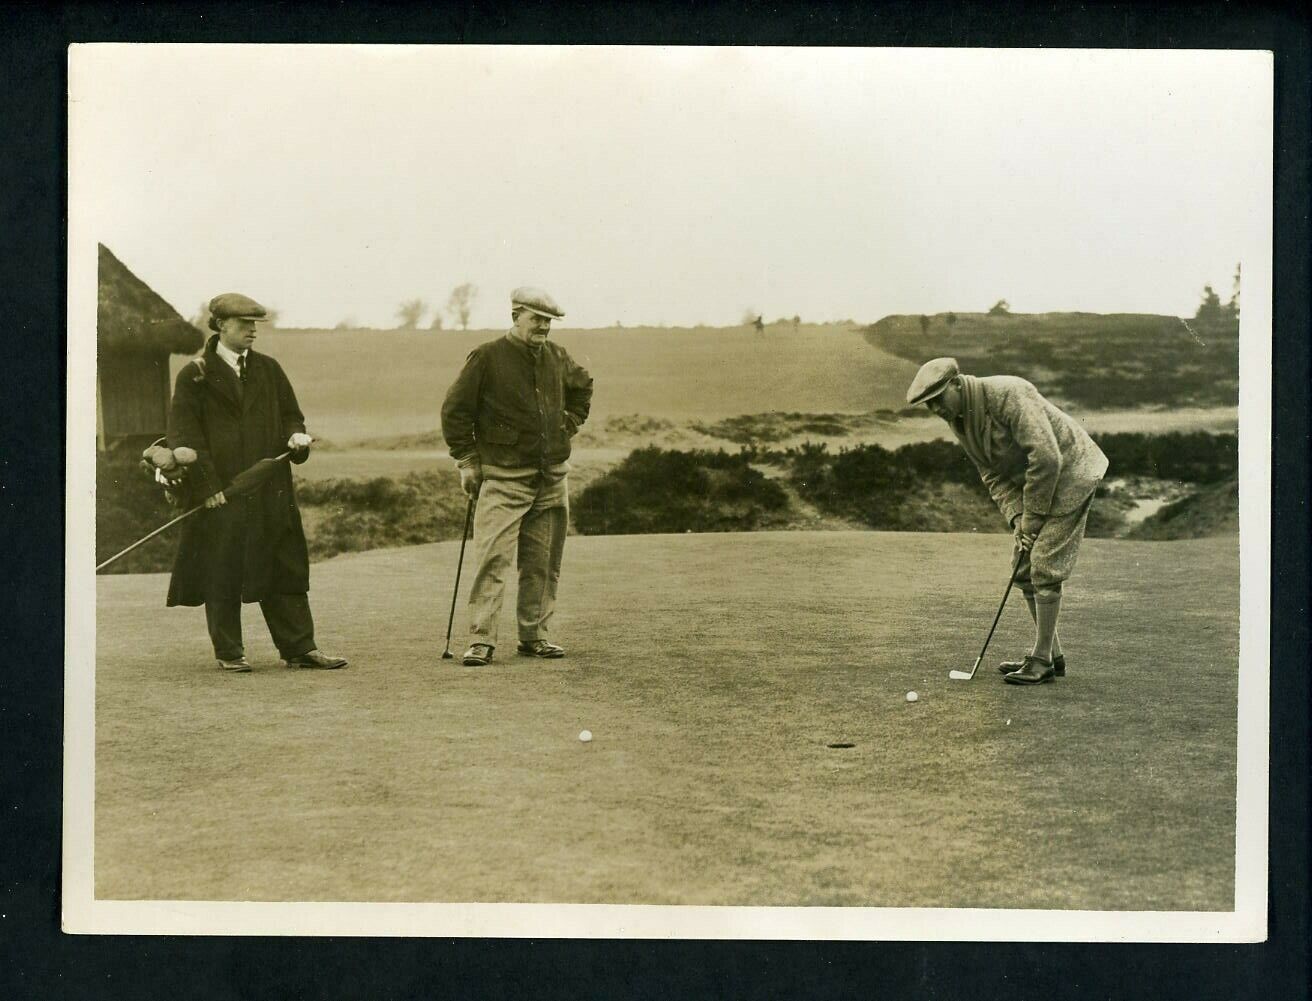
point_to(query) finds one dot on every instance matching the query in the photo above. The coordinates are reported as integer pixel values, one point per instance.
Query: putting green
(714, 671)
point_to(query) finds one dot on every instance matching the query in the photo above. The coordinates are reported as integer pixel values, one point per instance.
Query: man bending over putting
(1041, 469)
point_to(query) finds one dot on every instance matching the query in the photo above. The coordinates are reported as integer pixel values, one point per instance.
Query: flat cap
(535, 301)
(932, 379)
(232, 305)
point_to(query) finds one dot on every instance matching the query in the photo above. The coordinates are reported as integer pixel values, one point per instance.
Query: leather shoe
(318, 660)
(1058, 666)
(540, 648)
(478, 655)
(1033, 672)
(239, 665)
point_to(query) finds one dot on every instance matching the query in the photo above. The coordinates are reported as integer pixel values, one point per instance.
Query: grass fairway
(713, 671)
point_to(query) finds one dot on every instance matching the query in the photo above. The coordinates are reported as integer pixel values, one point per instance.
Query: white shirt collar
(228, 355)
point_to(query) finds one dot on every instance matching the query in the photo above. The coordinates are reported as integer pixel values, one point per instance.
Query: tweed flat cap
(232, 305)
(535, 301)
(932, 379)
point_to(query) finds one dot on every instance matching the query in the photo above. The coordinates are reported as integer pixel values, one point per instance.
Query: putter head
(448, 655)
(966, 675)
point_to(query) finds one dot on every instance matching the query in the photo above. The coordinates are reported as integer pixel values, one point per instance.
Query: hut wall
(134, 393)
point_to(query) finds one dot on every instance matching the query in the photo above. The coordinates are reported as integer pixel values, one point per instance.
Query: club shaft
(469, 516)
(186, 514)
(143, 541)
(1015, 566)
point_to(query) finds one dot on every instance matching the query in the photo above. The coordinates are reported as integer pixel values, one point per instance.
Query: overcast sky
(674, 186)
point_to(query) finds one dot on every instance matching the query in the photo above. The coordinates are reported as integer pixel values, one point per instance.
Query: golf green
(714, 671)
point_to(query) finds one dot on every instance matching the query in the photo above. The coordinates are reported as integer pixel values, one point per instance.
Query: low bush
(129, 505)
(658, 490)
(1191, 457)
(903, 489)
(343, 516)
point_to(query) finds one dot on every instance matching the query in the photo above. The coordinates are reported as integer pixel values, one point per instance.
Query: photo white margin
(82, 913)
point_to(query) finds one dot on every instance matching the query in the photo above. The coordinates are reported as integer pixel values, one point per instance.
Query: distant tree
(461, 303)
(1210, 309)
(349, 323)
(410, 313)
(759, 324)
(1000, 308)
(797, 322)
(437, 321)
(924, 324)
(952, 320)
(1232, 307)
(749, 316)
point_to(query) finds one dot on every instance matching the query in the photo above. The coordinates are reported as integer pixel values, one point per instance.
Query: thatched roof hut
(136, 331)
(130, 315)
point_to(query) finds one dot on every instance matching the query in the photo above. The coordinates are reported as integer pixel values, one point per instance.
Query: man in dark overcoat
(235, 407)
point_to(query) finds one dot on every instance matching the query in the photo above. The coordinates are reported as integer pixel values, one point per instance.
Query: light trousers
(522, 516)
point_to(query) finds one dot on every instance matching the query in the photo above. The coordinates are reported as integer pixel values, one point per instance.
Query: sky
(674, 186)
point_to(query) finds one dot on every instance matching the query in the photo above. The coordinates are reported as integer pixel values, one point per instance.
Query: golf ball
(912, 697)
(585, 735)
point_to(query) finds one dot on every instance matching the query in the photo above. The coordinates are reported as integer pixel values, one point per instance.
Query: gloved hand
(299, 443)
(471, 478)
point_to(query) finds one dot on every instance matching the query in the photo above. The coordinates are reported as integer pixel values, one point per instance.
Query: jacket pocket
(498, 434)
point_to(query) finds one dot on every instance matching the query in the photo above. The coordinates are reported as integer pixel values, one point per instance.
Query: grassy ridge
(362, 384)
(1091, 359)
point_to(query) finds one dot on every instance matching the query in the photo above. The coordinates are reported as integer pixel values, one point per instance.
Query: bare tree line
(459, 305)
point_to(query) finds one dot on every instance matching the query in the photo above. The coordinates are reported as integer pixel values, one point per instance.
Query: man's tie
(241, 368)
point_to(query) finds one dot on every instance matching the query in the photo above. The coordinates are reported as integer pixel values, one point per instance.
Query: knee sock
(1046, 610)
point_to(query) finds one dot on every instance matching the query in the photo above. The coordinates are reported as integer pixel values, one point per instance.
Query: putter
(469, 514)
(968, 675)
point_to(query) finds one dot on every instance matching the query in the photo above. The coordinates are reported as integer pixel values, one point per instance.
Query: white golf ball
(585, 735)
(912, 697)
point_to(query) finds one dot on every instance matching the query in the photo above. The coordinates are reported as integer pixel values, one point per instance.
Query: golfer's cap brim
(539, 312)
(928, 394)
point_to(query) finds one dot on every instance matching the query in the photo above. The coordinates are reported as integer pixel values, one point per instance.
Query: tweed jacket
(515, 408)
(1042, 462)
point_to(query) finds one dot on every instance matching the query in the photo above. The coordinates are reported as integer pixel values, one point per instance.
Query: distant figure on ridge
(1041, 469)
(508, 420)
(759, 324)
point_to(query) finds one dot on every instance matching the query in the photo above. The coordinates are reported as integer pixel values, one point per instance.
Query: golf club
(967, 675)
(469, 514)
(244, 482)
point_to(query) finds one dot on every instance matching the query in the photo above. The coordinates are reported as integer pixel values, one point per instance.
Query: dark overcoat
(253, 546)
